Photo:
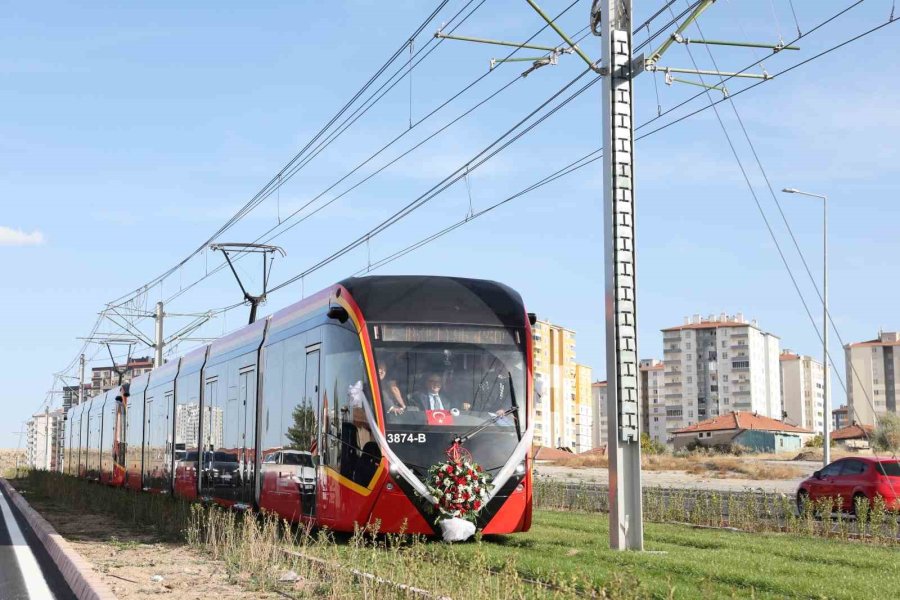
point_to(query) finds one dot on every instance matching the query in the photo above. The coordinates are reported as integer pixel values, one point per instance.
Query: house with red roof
(751, 430)
(853, 436)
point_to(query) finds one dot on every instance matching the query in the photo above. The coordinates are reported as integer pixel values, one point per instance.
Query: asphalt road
(26, 570)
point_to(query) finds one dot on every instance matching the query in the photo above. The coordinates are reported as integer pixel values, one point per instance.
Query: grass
(698, 464)
(565, 555)
(748, 510)
(697, 563)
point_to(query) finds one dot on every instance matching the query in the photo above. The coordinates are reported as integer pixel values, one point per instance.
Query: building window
(689, 356)
(690, 379)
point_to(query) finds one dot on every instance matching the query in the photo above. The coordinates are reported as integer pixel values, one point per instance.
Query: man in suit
(431, 398)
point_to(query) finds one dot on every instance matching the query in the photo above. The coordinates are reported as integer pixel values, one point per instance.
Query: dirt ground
(8, 459)
(137, 564)
(682, 479)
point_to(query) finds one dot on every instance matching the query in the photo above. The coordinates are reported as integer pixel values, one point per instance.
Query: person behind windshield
(432, 398)
(491, 393)
(390, 392)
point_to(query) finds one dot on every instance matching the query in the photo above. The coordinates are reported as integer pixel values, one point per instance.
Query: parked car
(852, 479)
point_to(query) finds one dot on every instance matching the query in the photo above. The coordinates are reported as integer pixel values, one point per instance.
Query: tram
(332, 410)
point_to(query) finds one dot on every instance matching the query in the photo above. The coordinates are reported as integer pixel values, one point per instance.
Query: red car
(854, 478)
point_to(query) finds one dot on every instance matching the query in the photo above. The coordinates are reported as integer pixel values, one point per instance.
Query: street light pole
(826, 428)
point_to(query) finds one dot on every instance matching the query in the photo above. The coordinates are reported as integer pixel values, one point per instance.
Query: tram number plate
(406, 438)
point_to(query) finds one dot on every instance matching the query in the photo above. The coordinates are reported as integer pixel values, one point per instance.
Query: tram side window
(272, 394)
(352, 449)
(298, 408)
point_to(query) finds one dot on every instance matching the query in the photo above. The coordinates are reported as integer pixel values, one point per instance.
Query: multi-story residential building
(187, 424)
(71, 395)
(653, 401)
(802, 391)
(556, 411)
(598, 397)
(584, 420)
(104, 379)
(872, 384)
(717, 365)
(43, 441)
(840, 418)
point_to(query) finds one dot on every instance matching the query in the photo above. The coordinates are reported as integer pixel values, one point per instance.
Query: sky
(132, 132)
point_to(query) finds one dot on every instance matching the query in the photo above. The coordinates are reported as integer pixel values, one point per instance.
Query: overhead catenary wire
(829, 319)
(821, 24)
(280, 176)
(479, 159)
(768, 225)
(286, 226)
(248, 206)
(686, 116)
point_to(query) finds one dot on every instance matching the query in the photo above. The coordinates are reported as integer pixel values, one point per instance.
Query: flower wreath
(459, 484)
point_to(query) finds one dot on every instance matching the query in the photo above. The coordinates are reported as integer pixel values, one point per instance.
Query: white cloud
(17, 237)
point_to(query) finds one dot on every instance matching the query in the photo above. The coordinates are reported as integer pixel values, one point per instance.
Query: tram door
(311, 410)
(247, 432)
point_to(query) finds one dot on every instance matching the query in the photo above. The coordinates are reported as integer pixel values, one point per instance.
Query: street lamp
(826, 437)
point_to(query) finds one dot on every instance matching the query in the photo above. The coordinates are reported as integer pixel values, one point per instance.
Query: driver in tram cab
(390, 392)
(432, 398)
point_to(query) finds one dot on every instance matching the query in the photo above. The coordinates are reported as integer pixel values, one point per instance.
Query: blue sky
(132, 132)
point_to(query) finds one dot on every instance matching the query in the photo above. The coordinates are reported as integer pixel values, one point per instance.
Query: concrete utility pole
(626, 529)
(160, 341)
(81, 385)
(826, 400)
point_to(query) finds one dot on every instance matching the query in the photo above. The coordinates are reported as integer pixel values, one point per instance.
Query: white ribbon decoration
(518, 456)
(396, 464)
(401, 469)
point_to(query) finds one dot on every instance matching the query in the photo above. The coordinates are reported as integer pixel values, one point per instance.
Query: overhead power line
(253, 201)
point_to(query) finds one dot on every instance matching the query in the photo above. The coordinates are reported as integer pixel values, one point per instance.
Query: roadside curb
(78, 573)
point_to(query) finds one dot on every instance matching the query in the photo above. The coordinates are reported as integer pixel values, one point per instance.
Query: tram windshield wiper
(512, 410)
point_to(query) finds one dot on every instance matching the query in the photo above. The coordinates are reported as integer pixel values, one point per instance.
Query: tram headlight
(389, 486)
(520, 468)
(393, 470)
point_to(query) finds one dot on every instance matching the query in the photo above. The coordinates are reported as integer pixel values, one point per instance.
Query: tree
(651, 446)
(302, 433)
(887, 434)
(817, 441)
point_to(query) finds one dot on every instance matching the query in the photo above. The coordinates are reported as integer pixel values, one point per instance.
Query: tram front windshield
(439, 382)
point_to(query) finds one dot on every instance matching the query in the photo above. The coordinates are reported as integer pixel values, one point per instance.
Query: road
(26, 570)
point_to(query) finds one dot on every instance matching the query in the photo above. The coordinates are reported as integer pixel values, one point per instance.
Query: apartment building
(598, 398)
(840, 418)
(653, 401)
(563, 414)
(802, 391)
(44, 440)
(718, 365)
(872, 369)
(584, 420)
(104, 379)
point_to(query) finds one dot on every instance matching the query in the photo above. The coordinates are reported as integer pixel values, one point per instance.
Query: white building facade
(872, 369)
(653, 401)
(43, 437)
(802, 391)
(598, 400)
(716, 365)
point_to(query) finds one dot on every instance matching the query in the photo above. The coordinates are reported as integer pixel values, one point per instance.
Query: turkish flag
(439, 417)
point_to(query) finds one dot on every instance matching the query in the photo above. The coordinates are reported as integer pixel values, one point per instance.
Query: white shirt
(435, 402)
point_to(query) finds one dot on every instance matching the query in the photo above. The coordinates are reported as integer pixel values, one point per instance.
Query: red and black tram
(332, 410)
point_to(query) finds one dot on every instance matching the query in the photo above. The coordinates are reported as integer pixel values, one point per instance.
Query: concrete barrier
(78, 573)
